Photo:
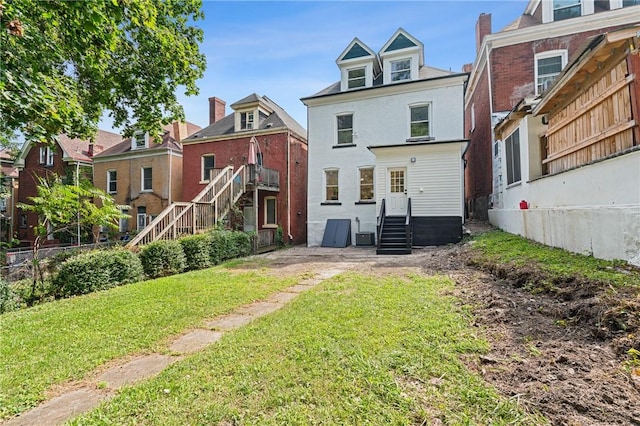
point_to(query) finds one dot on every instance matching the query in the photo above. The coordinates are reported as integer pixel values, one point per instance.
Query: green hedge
(97, 270)
(162, 258)
(227, 245)
(197, 251)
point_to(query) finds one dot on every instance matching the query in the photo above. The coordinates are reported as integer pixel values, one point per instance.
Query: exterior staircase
(202, 213)
(394, 232)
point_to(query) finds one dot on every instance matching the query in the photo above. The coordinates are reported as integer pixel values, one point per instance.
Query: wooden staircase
(202, 213)
(394, 232)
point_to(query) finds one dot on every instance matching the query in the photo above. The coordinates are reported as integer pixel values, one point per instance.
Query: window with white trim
(139, 140)
(366, 184)
(548, 67)
(356, 78)
(270, 212)
(124, 221)
(419, 122)
(46, 155)
(112, 181)
(345, 129)
(246, 120)
(208, 164)
(512, 149)
(146, 181)
(331, 185)
(565, 9)
(141, 217)
(401, 70)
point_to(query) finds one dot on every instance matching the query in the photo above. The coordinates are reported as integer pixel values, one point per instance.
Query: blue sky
(287, 50)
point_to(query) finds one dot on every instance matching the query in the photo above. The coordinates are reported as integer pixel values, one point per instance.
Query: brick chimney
(179, 130)
(483, 28)
(467, 67)
(216, 109)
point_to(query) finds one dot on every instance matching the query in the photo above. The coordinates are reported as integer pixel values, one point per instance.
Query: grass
(498, 247)
(62, 341)
(357, 349)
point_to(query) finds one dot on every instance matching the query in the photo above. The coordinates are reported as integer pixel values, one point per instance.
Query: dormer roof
(403, 42)
(356, 50)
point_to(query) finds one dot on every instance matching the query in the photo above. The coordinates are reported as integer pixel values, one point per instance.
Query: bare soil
(562, 352)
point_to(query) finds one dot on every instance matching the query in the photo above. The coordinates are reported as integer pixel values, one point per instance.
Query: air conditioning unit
(365, 239)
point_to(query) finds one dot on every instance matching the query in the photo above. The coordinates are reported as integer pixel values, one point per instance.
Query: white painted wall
(594, 209)
(380, 117)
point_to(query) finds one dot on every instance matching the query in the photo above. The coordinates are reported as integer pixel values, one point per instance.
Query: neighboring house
(520, 61)
(272, 147)
(389, 132)
(9, 194)
(143, 174)
(65, 157)
(574, 183)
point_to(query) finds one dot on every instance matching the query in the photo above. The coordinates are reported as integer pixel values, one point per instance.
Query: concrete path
(105, 385)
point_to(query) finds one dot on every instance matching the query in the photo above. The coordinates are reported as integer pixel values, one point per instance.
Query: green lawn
(498, 248)
(64, 340)
(357, 349)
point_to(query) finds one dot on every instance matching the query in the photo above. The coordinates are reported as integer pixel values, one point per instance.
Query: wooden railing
(263, 177)
(202, 213)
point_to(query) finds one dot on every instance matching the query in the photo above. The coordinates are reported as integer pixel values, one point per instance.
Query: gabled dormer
(402, 56)
(250, 112)
(139, 140)
(358, 65)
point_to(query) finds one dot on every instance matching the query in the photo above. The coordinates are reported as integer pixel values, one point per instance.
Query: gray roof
(168, 143)
(225, 126)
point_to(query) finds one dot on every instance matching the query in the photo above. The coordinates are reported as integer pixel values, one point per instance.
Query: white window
(345, 129)
(142, 217)
(46, 155)
(246, 120)
(146, 179)
(401, 70)
(419, 121)
(139, 140)
(270, 212)
(112, 181)
(548, 66)
(366, 184)
(331, 185)
(512, 148)
(565, 9)
(356, 78)
(208, 164)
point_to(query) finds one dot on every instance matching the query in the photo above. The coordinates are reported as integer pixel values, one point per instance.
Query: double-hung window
(401, 70)
(419, 121)
(345, 129)
(331, 185)
(141, 217)
(548, 66)
(246, 120)
(270, 212)
(366, 184)
(146, 179)
(112, 181)
(46, 155)
(356, 78)
(565, 9)
(208, 164)
(512, 148)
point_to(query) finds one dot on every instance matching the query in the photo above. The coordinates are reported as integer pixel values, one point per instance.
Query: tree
(63, 63)
(61, 207)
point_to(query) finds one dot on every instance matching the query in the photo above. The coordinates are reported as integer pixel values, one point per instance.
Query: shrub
(196, 250)
(241, 242)
(227, 245)
(9, 299)
(97, 270)
(162, 258)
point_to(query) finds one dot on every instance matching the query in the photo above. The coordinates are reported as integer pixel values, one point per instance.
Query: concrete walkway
(106, 384)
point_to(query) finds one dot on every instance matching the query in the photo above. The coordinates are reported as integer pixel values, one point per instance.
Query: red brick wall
(274, 150)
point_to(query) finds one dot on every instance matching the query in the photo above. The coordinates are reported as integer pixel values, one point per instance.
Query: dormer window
(356, 78)
(246, 120)
(565, 9)
(401, 70)
(139, 140)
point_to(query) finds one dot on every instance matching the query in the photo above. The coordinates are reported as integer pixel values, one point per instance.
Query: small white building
(387, 136)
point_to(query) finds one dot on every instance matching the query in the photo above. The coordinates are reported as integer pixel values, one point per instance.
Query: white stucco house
(569, 160)
(385, 149)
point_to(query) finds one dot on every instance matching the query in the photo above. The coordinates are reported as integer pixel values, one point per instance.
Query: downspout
(289, 185)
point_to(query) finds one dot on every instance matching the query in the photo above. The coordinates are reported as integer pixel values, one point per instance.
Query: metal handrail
(380, 224)
(408, 225)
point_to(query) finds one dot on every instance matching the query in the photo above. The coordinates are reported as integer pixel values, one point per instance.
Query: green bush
(9, 299)
(97, 270)
(227, 245)
(162, 258)
(196, 250)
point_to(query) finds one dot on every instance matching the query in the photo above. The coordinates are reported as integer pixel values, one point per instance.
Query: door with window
(396, 204)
